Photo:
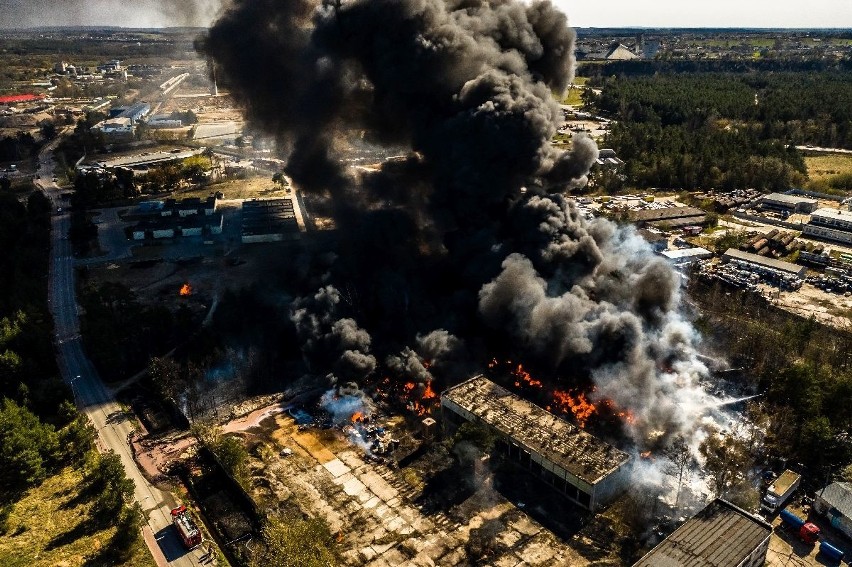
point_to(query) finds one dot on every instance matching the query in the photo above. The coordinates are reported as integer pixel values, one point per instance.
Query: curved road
(90, 394)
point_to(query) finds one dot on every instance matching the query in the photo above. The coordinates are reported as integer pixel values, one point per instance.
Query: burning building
(587, 470)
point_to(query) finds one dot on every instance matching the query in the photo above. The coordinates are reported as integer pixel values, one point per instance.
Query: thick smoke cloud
(330, 343)
(470, 231)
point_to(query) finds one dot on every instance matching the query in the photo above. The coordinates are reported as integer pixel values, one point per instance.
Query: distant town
(312, 300)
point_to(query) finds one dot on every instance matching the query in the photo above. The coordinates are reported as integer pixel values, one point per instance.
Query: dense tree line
(703, 156)
(803, 368)
(18, 147)
(797, 108)
(725, 65)
(722, 131)
(121, 334)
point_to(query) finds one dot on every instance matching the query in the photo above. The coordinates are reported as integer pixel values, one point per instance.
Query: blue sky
(704, 13)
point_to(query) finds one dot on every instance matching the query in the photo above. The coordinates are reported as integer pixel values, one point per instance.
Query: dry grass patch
(50, 526)
(828, 166)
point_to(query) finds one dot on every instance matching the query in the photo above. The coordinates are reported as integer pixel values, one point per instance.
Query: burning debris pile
(468, 247)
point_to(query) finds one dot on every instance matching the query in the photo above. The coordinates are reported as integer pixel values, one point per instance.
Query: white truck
(779, 491)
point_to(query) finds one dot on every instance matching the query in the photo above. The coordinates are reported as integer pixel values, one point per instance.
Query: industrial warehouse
(764, 265)
(269, 220)
(584, 468)
(720, 535)
(171, 218)
(830, 224)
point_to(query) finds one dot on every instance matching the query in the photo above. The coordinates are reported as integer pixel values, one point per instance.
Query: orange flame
(646, 455)
(429, 393)
(357, 417)
(185, 290)
(577, 404)
(409, 386)
(525, 378)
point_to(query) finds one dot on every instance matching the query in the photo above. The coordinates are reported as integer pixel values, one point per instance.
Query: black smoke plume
(469, 231)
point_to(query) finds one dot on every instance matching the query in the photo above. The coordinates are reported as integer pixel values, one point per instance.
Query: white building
(830, 224)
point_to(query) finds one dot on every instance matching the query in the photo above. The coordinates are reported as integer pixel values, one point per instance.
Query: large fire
(422, 404)
(574, 403)
(185, 290)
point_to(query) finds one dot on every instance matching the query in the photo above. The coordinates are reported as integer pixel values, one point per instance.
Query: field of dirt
(160, 281)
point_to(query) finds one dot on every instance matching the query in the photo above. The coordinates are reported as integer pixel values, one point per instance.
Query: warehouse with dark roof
(586, 469)
(720, 535)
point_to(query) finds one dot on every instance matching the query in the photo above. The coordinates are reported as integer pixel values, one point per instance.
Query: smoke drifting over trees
(470, 232)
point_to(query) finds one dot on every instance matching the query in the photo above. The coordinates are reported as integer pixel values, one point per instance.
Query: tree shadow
(84, 493)
(84, 529)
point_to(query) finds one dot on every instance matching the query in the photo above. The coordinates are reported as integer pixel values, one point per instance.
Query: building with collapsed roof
(720, 535)
(586, 469)
(268, 220)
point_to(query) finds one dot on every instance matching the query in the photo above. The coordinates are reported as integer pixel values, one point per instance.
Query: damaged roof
(562, 443)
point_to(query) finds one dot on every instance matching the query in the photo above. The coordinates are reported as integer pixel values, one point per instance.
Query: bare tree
(680, 462)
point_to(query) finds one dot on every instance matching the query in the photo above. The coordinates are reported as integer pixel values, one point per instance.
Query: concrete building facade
(830, 224)
(720, 535)
(587, 470)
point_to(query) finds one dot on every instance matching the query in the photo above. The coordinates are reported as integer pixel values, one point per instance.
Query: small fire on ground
(185, 290)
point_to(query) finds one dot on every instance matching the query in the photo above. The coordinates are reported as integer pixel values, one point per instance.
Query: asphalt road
(90, 393)
(823, 150)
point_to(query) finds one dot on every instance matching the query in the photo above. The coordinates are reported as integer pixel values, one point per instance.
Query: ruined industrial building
(587, 470)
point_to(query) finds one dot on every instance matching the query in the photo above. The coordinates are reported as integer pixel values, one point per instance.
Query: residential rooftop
(564, 444)
(720, 535)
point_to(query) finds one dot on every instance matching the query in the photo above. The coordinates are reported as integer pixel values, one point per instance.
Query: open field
(828, 166)
(259, 186)
(573, 97)
(50, 527)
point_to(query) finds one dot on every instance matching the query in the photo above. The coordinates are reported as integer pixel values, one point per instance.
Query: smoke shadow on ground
(446, 489)
(541, 502)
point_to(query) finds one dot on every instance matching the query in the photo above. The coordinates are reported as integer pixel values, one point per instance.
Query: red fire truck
(186, 527)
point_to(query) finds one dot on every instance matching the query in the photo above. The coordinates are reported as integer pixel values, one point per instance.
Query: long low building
(789, 203)
(269, 220)
(586, 469)
(686, 256)
(757, 263)
(720, 535)
(830, 224)
(671, 217)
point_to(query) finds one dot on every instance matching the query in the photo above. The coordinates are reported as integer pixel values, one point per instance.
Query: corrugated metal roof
(720, 535)
(734, 254)
(665, 214)
(580, 453)
(788, 199)
(838, 495)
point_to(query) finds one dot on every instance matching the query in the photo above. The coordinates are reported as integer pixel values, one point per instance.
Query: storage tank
(830, 551)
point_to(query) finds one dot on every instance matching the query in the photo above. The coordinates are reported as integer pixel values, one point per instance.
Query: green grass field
(48, 527)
